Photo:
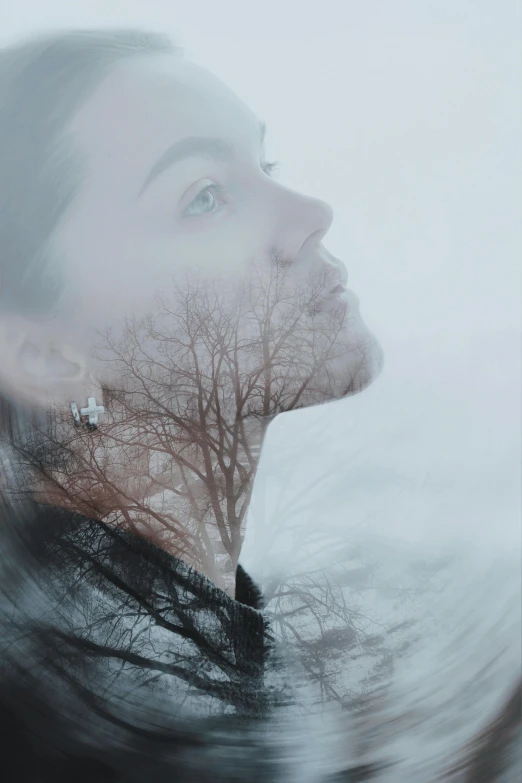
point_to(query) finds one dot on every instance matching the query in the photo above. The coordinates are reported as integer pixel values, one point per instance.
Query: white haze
(406, 117)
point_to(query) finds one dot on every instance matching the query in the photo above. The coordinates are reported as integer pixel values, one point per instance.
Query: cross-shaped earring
(92, 410)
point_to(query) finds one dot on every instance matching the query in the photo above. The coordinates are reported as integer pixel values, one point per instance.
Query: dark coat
(121, 663)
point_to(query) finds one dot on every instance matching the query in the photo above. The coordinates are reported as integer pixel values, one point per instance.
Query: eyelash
(268, 167)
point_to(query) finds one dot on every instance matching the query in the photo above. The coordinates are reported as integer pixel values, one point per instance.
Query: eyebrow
(191, 147)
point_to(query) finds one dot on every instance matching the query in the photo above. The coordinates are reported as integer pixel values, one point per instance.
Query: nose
(301, 223)
(312, 255)
(319, 220)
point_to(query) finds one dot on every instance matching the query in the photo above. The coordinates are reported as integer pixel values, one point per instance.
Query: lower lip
(332, 302)
(350, 296)
(347, 296)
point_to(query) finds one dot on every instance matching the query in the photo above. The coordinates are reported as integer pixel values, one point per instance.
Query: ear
(37, 364)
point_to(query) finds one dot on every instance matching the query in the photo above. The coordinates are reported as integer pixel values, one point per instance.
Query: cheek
(120, 266)
(116, 268)
(221, 246)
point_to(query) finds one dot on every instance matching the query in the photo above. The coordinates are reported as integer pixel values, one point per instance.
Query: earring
(92, 410)
(76, 415)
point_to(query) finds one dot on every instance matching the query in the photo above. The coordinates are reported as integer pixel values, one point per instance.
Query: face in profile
(177, 196)
(200, 299)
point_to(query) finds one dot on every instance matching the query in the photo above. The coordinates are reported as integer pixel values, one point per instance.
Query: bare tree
(189, 390)
(197, 382)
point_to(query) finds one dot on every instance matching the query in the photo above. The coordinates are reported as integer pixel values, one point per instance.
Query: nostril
(341, 269)
(311, 244)
(319, 235)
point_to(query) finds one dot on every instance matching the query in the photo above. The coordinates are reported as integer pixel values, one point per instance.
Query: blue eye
(206, 201)
(212, 197)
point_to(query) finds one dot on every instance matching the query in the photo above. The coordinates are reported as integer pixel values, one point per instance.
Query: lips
(337, 296)
(339, 293)
(339, 289)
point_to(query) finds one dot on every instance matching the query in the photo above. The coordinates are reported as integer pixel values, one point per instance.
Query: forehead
(145, 105)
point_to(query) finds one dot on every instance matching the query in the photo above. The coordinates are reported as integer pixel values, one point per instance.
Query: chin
(360, 375)
(351, 361)
(353, 372)
(359, 364)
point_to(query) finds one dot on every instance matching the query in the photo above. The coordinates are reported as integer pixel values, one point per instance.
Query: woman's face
(176, 181)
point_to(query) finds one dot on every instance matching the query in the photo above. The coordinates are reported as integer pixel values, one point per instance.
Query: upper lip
(340, 275)
(336, 271)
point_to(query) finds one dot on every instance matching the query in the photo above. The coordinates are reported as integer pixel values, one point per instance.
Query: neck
(197, 515)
